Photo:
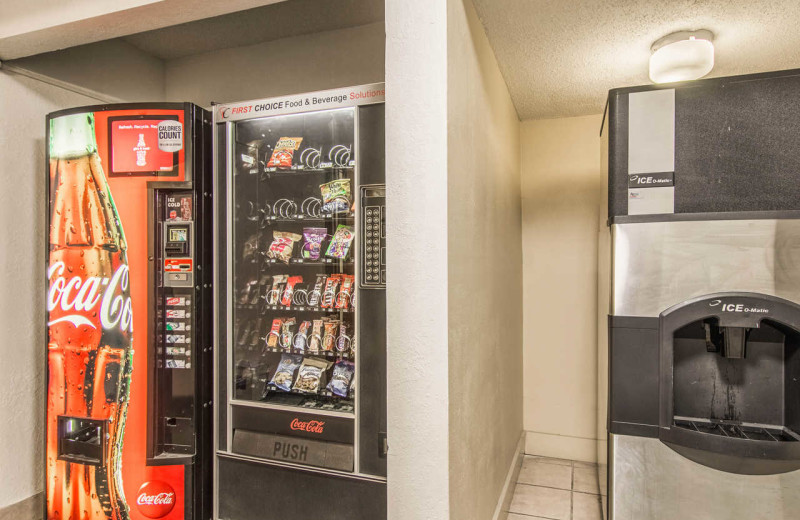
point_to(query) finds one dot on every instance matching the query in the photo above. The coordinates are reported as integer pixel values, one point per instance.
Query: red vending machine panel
(127, 399)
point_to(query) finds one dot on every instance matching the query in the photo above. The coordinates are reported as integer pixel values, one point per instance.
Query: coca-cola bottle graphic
(90, 326)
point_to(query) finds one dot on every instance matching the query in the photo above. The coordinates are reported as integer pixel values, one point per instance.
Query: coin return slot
(81, 440)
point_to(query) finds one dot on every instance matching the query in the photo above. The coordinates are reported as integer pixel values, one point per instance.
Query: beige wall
(114, 68)
(24, 103)
(484, 270)
(560, 162)
(320, 61)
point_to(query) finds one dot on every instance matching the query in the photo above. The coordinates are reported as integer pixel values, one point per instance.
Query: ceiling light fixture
(682, 56)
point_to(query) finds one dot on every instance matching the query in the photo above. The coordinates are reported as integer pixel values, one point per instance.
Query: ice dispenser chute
(730, 382)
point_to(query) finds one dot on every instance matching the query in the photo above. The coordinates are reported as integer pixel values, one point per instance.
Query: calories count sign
(170, 136)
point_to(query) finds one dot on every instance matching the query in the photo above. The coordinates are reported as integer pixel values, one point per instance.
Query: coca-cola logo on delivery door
(155, 499)
(307, 426)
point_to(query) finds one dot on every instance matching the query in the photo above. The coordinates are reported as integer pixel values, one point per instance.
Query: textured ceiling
(560, 57)
(271, 22)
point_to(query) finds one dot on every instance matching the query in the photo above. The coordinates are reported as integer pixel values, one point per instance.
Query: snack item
(342, 377)
(331, 287)
(309, 377)
(301, 338)
(282, 245)
(312, 247)
(340, 243)
(336, 196)
(329, 339)
(344, 294)
(343, 342)
(315, 341)
(284, 375)
(283, 153)
(316, 293)
(287, 333)
(288, 292)
(274, 333)
(274, 294)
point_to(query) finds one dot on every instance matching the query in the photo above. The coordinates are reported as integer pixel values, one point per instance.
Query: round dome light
(682, 56)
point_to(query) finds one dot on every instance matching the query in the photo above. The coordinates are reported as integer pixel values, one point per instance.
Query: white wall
(417, 219)
(24, 104)
(320, 61)
(484, 270)
(114, 68)
(560, 161)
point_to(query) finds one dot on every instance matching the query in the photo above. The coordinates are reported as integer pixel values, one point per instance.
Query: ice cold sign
(170, 136)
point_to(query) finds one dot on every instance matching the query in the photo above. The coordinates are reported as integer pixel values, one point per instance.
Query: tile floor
(556, 489)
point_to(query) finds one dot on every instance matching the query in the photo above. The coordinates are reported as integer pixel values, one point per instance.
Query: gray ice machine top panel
(736, 144)
(660, 264)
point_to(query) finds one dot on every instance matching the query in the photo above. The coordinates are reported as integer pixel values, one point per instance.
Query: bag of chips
(340, 243)
(336, 196)
(284, 375)
(274, 333)
(344, 295)
(287, 333)
(312, 248)
(274, 294)
(315, 341)
(315, 295)
(309, 377)
(282, 245)
(283, 153)
(331, 288)
(342, 377)
(288, 292)
(301, 338)
(329, 338)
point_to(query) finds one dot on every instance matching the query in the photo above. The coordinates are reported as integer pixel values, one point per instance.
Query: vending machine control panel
(177, 250)
(373, 235)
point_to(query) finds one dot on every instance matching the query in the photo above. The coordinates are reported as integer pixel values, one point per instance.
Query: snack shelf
(328, 354)
(292, 308)
(302, 218)
(299, 170)
(304, 261)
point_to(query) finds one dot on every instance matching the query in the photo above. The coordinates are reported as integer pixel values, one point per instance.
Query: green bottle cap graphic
(72, 136)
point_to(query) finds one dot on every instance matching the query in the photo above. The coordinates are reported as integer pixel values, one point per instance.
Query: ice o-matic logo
(155, 499)
(307, 426)
(80, 297)
(736, 307)
(651, 180)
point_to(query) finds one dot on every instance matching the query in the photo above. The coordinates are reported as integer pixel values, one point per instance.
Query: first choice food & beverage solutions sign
(323, 100)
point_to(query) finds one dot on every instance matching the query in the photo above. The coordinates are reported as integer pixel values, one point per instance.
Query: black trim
(633, 322)
(715, 82)
(694, 217)
(634, 429)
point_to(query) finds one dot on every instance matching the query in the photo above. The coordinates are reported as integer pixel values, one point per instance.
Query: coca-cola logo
(82, 296)
(307, 426)
(155, 499)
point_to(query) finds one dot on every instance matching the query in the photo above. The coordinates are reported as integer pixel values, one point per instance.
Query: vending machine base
(243, 495)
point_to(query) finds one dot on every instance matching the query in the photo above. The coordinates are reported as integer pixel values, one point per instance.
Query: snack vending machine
(300, 427)
(129, 316)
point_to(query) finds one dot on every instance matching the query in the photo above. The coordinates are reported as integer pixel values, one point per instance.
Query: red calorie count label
(135, 148)
(155, 499)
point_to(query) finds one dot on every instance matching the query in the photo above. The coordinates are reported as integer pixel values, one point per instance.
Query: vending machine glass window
(293, 234)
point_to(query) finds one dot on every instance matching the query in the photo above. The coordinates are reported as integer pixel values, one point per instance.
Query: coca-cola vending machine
(129, 311)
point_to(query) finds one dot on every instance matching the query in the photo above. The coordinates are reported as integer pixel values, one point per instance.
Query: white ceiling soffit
(31, 27)
(272, 22)
(560, 58)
